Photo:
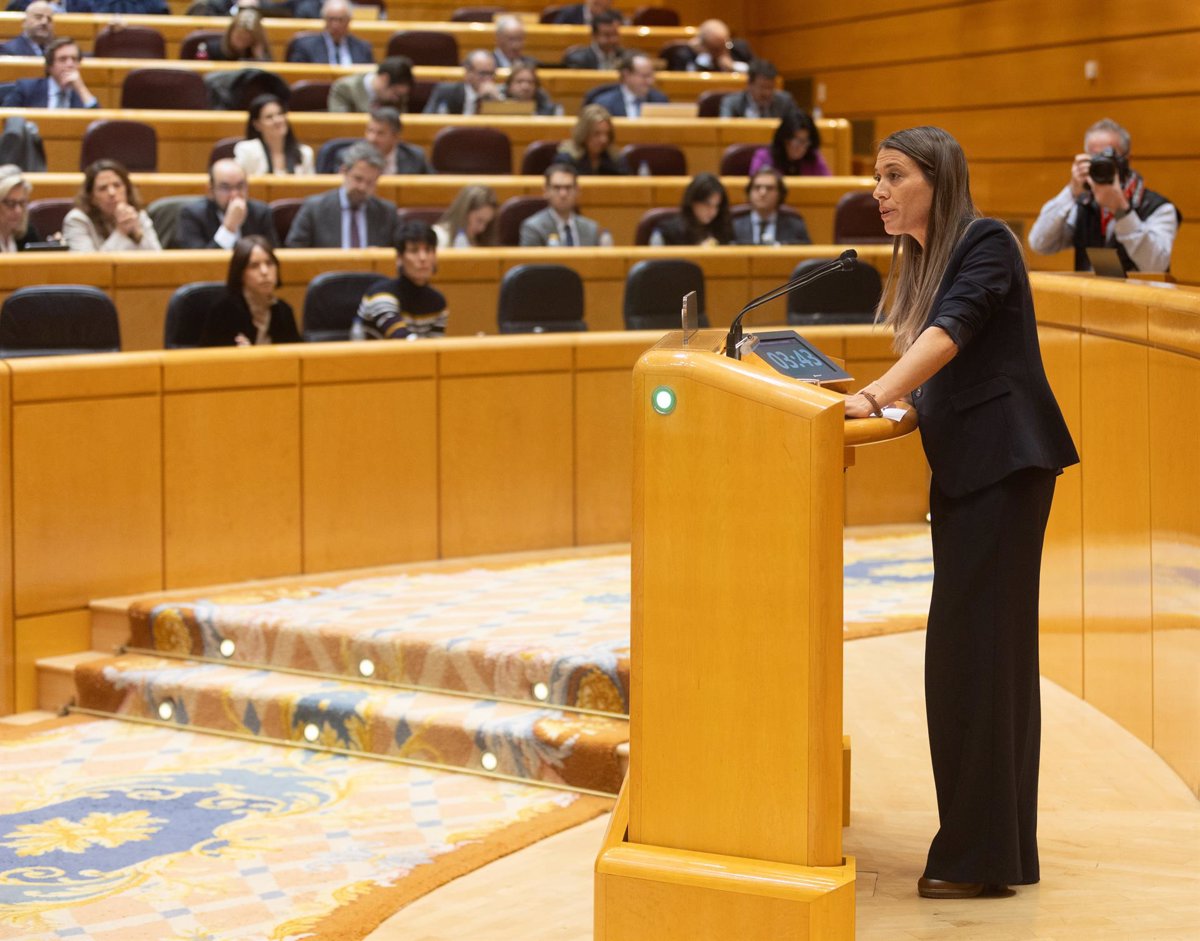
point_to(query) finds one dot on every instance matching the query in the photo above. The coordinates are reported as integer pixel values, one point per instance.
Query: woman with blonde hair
(471, 219)
(15, 190)
(590, 149)
(108, 215)
(959, 300)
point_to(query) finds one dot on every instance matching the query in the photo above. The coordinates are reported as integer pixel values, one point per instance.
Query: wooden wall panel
(603, 456)
(7, 628)
(46, 635)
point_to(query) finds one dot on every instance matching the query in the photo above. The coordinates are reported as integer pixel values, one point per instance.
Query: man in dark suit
(334, 45)
(636, 88)
(761, 99)
(510, 41)
(764, 224)
(559, 225)
(36, 32)
(582, 14)
(351, 216)
(605, 52)
(479, 83)
(63, 86)
(712, 50)
(226, 214)
(383, 133)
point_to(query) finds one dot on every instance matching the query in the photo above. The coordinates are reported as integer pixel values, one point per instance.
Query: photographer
(1106, 204)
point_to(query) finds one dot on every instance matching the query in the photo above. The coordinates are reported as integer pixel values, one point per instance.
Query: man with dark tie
(605, 52)
(764, 224)
(63, 86)
(636, 88)
(478, 84)
(36, 32)
(559, 225)
(510, 41)
(226, 214)
(334, 45)
(761, 99)
(351, 216)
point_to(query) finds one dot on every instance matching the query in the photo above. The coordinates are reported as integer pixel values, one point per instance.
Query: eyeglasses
(231, 187)
(14, 203)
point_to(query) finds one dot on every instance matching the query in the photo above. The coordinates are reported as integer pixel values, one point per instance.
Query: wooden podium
(729, 822)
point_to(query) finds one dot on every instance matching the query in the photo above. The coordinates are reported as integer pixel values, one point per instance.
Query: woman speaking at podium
(958, 298)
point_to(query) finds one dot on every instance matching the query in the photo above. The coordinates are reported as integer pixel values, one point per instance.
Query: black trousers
(982, 698)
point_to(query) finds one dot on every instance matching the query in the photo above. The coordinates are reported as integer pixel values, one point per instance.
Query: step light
(489, 761)
(312, 732)
(366, 667)
(227, 648)
(166, 710)
(541, 692)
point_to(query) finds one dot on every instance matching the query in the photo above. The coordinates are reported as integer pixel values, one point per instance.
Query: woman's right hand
(126, 220)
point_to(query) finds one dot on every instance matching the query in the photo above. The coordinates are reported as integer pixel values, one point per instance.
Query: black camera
(1108, 165)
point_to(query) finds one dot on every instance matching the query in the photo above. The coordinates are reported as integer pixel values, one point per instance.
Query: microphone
(843, 262)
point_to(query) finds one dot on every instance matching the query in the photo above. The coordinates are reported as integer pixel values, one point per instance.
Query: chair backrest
(283, 211)
(186, 312)
(424, 46)
(596, 91)
(550, 14)
(209, 38)
(46, 215)
(429, 214)
(516, 209)
(856, 221)
(655, 16)
(539, 155)
(844, 297)
(296, 37)
(475, 14)
(659, 159)
(331, 301)
(540, 298)
(60, 318)
(419, 95)
(473, 150)
(708, 104)
(678, 56)
(329, 157)
(164, 88)
(651, 220)
(131, 142)
(735, 161)
(223, 149)
(654, 291)
(129, 42)
(164, 213)
(309, 95)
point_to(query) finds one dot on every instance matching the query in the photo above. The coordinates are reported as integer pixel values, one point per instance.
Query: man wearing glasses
(479, 83)
(225, 215)
(334, 45)
(764, 224)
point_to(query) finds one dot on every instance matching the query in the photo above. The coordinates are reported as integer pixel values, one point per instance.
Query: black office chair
(541, 298)
(844, 297)
(331, 301)
(51, 320)
(186, 312)
(654, 291)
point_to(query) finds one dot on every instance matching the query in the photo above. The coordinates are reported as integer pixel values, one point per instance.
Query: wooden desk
(617, 203)
(545, 43)
(186, 137)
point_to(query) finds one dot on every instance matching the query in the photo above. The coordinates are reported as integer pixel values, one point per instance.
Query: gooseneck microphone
(843, 262)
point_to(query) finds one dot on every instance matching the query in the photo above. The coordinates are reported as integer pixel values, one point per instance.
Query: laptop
(1106, 262)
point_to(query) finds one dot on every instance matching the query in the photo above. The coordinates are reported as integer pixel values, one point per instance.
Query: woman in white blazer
(108, 216)
(270, 146)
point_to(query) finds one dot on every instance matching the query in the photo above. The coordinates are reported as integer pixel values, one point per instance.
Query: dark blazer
(35, 93)
(199, 221)
(614, 101)
(734, 105)
(21, 46)
(68, 6)
(318, 224)
(789, 230)
(411, 159)
(447, 98)
(989, 411)
(605, 166)
(584, 57)
(314, 49)
(571, 16)
(230, 316)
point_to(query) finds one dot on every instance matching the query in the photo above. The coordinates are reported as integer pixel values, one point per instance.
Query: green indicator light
(663, 400)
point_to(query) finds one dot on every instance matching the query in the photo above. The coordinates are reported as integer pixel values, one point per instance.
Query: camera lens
(1104, 166)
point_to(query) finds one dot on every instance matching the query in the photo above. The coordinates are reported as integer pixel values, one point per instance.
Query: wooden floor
(1119, 836)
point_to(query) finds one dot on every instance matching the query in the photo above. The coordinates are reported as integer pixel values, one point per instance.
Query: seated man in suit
(63, 86)
(636, 88)
(334, 45)
(764, 224)
(558, 225)
(582, 14)
(36, 32)
(479, 83)
(406, 307)
(383, 133)
(605, 52)
(510, 41)
(712, 50)
(351, 216)
(388, 86)
(761, 99)
(226, 214)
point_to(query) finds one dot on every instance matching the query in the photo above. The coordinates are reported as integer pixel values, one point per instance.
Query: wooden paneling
(7, 635)
(603, 455)
(46, 635)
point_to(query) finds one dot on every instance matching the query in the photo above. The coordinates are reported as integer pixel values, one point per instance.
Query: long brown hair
(83, 199)
(916, 272)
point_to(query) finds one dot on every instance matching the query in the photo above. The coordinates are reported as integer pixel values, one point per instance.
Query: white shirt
(763, 230)
(633, 107)
(339, 53)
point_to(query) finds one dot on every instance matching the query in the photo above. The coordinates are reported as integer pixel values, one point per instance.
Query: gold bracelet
(877, 411)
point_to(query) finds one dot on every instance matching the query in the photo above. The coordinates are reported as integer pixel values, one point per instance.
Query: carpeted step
(539, 744)
(549, 632)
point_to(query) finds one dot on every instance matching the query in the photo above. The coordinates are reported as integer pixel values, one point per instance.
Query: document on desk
(895, 414)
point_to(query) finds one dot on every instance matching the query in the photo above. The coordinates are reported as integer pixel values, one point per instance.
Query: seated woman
(249, 313)
(703, 216)
(795, 149)
(245, 39)
(590, 149)
(15, 230)
(108, 217)
(471, 219)
(523, 85)
(270, 146)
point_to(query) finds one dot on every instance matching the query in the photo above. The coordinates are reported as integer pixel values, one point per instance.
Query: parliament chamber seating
(656, 159)
(472, 151)
(42, 320)
(538, 156)
(846, 297)
(129, 42)
(132, 143)
(514, 211)
(653, 289)
(524, 291)
(330, 302)
(651, 219)
(186, 311)
(856, 219)
(155, 89)
(475, 14)
(425, 47)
